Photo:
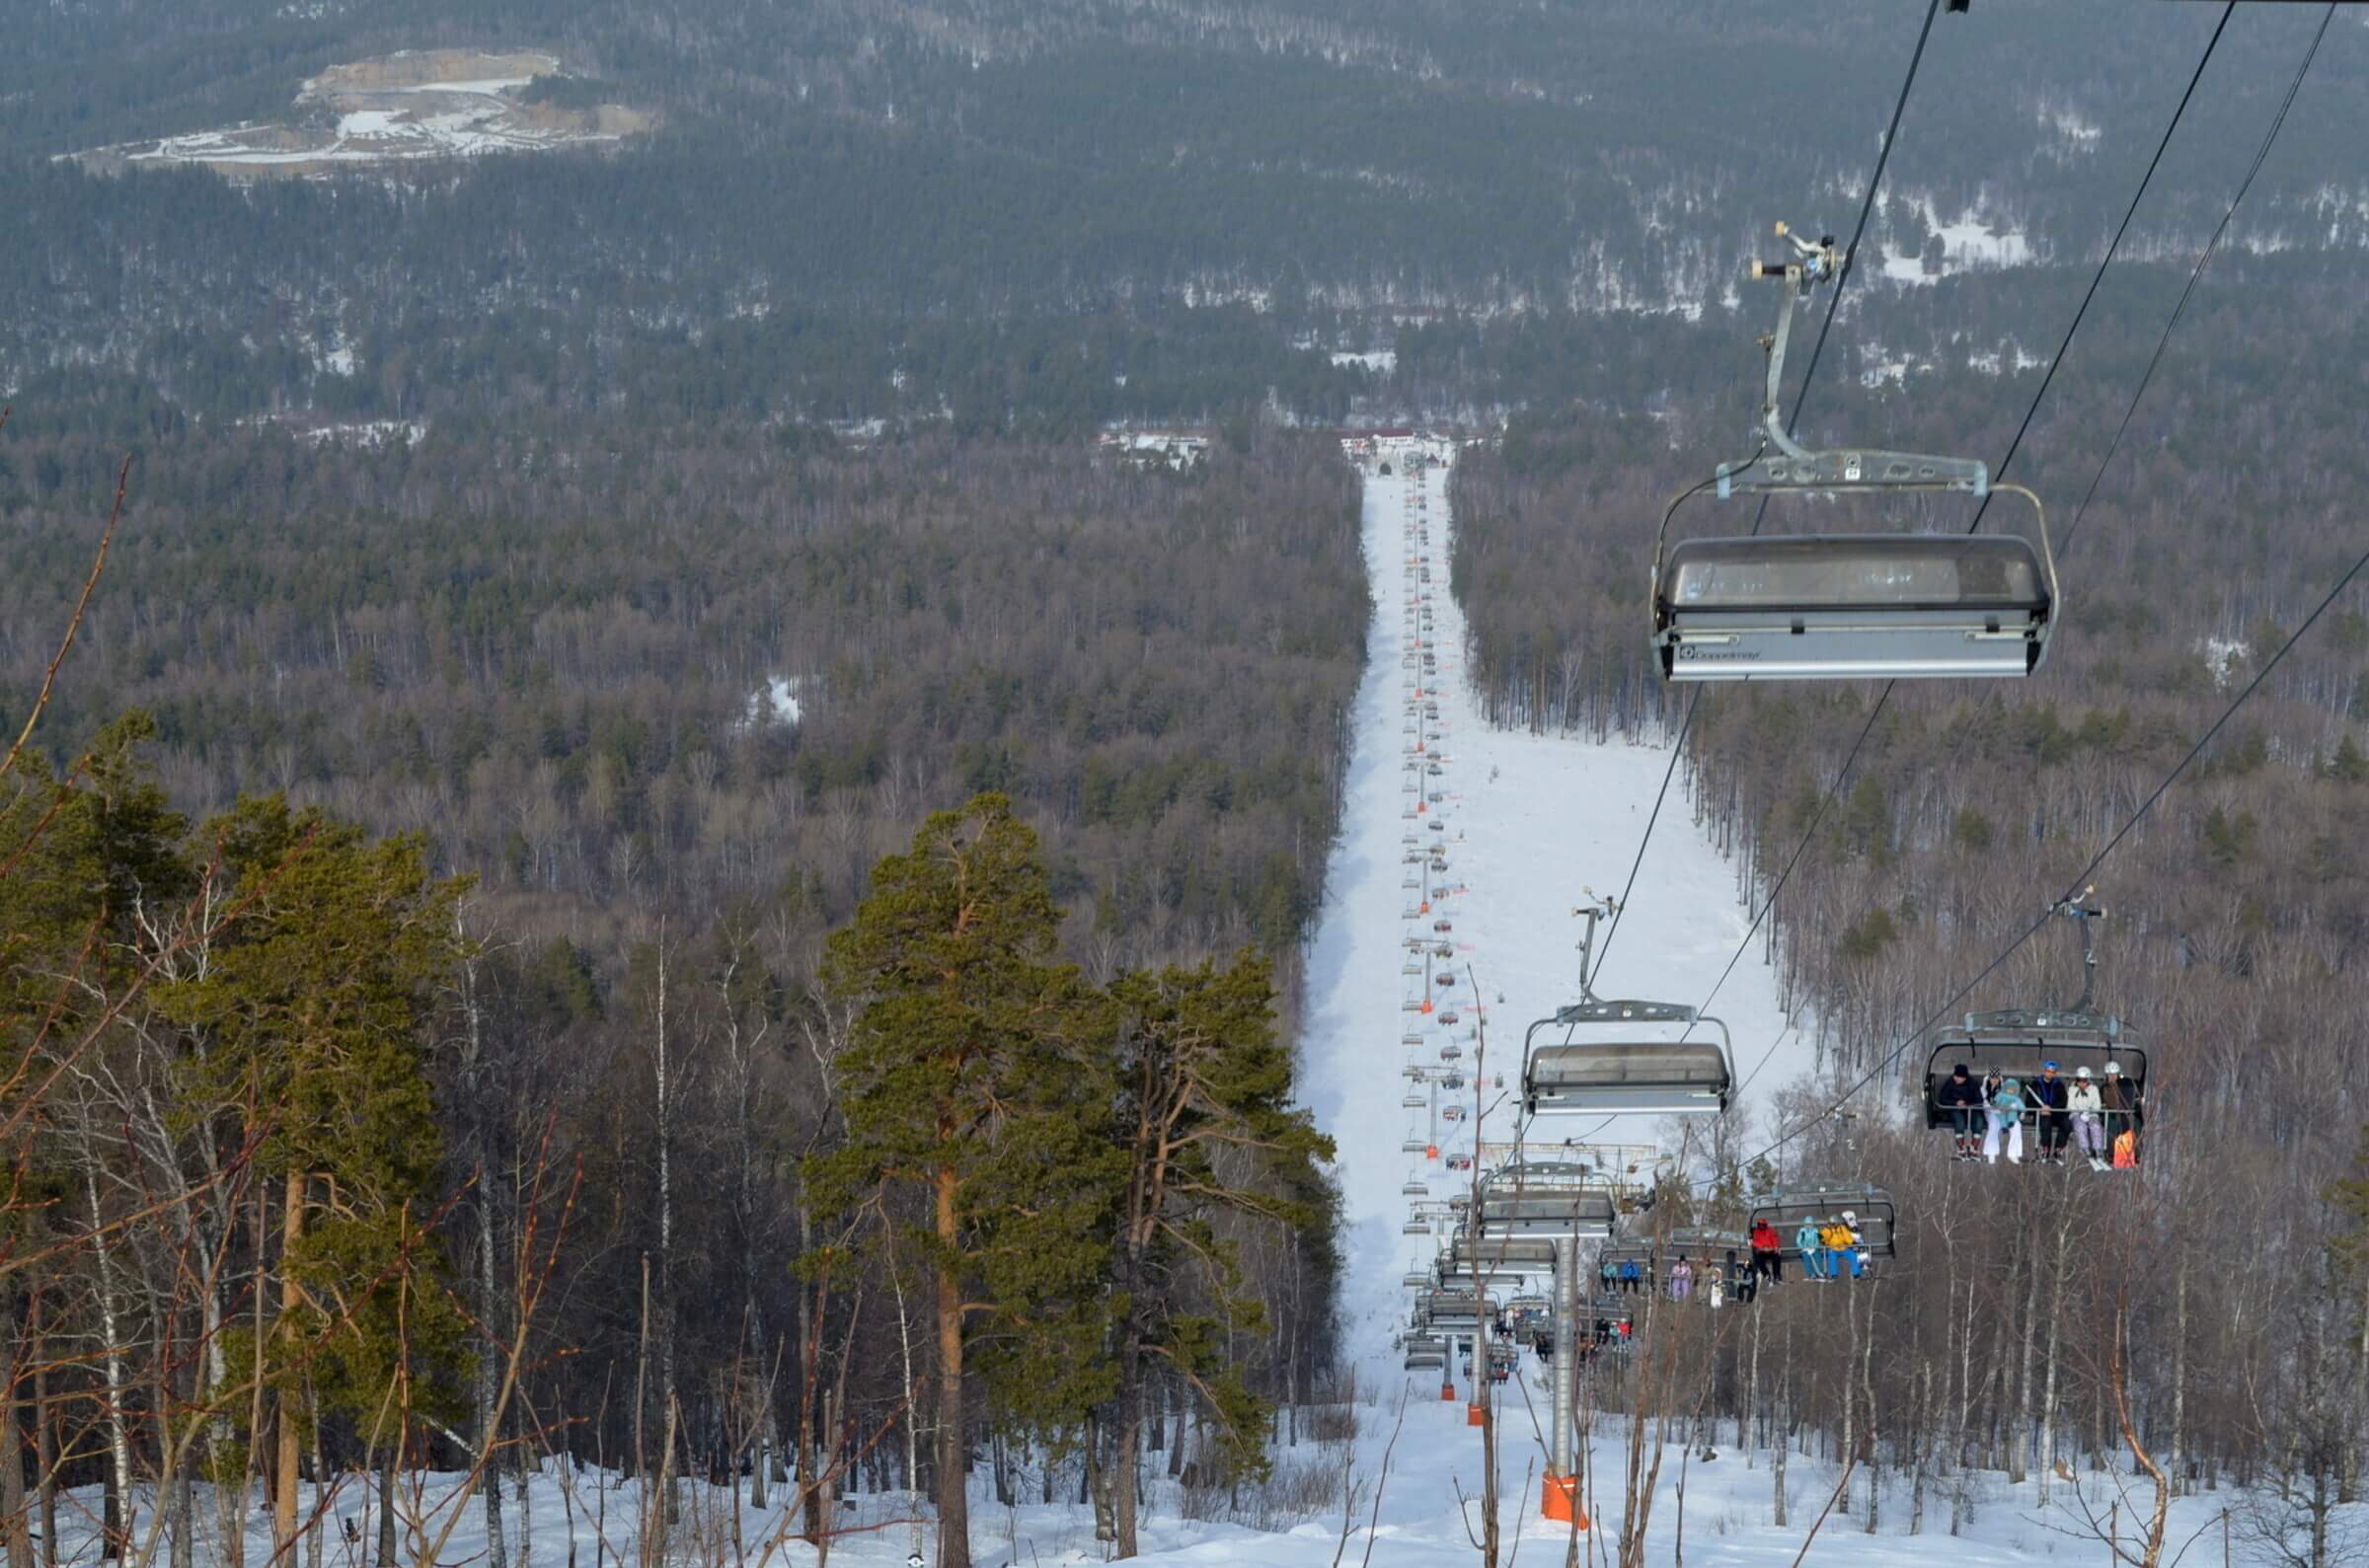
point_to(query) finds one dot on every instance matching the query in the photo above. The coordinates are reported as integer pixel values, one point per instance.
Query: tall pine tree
(978, 1080)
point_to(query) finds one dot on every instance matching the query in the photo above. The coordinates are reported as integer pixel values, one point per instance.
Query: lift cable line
(2204, 260)
(1842, 281)
(2080, 880)
(2056, 361)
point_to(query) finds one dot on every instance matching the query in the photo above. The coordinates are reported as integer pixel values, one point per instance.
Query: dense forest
(637, 734)
(875, 212)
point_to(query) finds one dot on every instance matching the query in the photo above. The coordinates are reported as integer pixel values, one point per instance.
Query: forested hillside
(1033, 213)
(638, 720)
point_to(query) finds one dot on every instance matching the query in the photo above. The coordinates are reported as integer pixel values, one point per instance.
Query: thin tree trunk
(291, 1300)
(2179, 1375)
(953, 1458)
(2056, 1323)
(44, 1437)
(120, 1523)
(19, 1519)
(2019, 1448)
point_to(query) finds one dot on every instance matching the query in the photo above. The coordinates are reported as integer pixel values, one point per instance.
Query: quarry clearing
(414, 108)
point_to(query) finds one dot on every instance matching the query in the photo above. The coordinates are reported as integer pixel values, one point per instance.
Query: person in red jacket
(1768, 1252)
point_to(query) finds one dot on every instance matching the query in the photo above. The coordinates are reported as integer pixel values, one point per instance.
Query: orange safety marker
(1562, 1500)
(1473, 1416)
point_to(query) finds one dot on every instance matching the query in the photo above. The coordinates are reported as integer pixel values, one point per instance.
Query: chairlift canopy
(1619, 1066)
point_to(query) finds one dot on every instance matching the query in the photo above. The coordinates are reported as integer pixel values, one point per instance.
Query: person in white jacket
(2089, 1119)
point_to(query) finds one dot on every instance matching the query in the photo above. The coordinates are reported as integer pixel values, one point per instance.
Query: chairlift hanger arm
(1798, 468)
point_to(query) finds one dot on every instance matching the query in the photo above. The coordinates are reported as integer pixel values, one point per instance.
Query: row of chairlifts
(1847, 606)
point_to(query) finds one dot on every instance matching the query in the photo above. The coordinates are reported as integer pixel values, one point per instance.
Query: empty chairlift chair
(1847, 605)
(1494, 1259)
(1852, 607)
(1454, 1309)
(1424, 1354)
(1648, 1058)
(1545, 1203)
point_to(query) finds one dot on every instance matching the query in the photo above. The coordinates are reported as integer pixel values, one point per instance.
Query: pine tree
(1200, 1070)
(311, 1010)
(978, 1076)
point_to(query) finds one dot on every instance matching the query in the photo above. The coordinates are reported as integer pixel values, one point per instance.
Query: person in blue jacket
(2005, 1098)
(1812, 1249)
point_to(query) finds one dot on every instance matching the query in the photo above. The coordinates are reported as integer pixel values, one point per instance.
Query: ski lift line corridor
(1516, 860)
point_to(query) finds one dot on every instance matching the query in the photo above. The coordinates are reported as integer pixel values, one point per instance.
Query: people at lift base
(2100, 1117)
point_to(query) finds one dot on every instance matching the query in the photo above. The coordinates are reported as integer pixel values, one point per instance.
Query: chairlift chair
(1873, 1211)
(2017, 1041)
(1424, 1355)
(1847, 606)
(1414, 1102)
(1622, 1068)
(1494, 1258)
(1452, 1309)
(1692, 1243)
(1547, 1201)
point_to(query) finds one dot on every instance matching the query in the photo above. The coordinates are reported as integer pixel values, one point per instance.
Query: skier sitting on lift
(1963, 1099)
(1808, 1241)
(1768, 1252)
(2089, 1132)
(2005, 1098)
(2046, 1097)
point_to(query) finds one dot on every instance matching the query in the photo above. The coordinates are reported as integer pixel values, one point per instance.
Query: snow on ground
(1968, 240)
(1381, 361)
(588, 1518)
(775, 704)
